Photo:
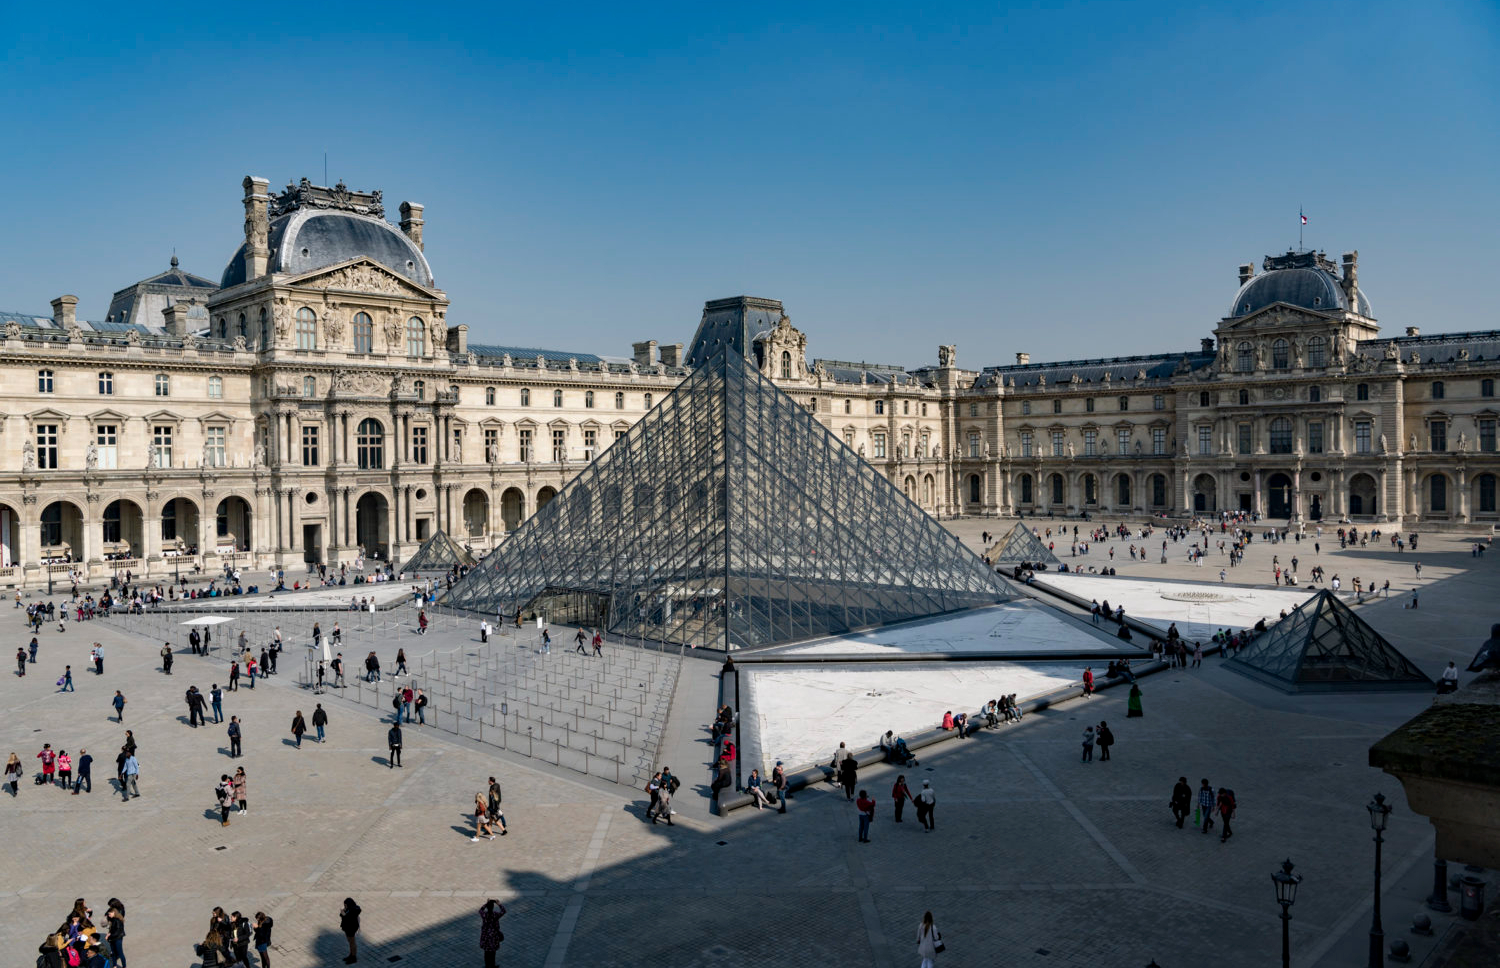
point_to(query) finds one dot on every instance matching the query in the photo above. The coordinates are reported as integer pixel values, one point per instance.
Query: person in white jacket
(927, 940)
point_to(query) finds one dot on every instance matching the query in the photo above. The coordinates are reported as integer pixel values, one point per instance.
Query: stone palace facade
(316, 404)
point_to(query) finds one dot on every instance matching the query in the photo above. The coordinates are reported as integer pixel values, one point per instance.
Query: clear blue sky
(1068, 179)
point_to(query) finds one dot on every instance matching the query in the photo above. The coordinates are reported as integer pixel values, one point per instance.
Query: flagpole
(1301, 224)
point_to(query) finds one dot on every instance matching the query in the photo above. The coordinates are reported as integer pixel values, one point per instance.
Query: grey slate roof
(309, 239)
(524, 354)
(876, 373)
(1158, 367)
(1439, 347)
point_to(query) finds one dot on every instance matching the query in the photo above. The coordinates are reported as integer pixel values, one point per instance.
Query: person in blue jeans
(420, 703)
(320, 719)
(866, 808)
(216, 697)
(67, 676)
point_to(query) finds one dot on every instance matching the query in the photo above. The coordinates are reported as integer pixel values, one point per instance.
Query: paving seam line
(1088, 825)
(558, 954)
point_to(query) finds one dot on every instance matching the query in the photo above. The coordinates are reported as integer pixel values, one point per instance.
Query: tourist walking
(490, 934)
(234, 736)
(349, 924)
(927, 806)
(48, 756)
(401, 662)
(900, 793)
(393, 740)
(13, 771)
(21, 663)
(299, 726)
(166, 658)
(115, 931)
(119, 703)
(216, 700)
(481, 820)
(85, 764)
(1224, 803)
(319, 720)
(929, 942)
(234, 675)
(1133, 704)
(496, 815)
(1106, 740)
(1088, 744)
(866, 808)
(1206, 805)
(580, 638)
(66, 682)
(1088, 682)
(1182, 801)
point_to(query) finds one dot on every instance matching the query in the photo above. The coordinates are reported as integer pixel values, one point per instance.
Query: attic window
(1245, 308)
(1317, 300)
(410, 264)
(304, 252)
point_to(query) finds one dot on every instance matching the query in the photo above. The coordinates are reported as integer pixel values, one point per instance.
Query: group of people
(230, 937)
(79, 941)
(1208, 803)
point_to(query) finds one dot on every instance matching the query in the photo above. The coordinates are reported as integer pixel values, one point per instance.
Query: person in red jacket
(866, 808)
(1088, 681)
(49, 762)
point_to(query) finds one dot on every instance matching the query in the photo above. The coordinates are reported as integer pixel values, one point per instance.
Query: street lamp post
(1286, 895)
(1379, 812)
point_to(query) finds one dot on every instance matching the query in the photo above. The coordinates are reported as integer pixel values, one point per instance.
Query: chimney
(174, 318)
(645, 353)
(1247, 272)
(411, 223)
(63, 310)
(1410, 330)
(257, 227)
(1351, 278)
(1208, 344)
(1022, 359)
(671, 354)
(461, 336)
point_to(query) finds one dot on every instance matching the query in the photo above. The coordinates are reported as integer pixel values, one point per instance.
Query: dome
(1305, 281)
(310, 238)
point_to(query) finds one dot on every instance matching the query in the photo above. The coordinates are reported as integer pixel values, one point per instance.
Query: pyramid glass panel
(1023, 546)
(439, 553)
(729, 517)
(1324, 646)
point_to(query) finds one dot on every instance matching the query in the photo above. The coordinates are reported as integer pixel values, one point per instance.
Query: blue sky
(1066, 179)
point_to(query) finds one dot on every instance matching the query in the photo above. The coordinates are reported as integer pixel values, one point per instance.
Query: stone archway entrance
(1278, 496)
(372, 525)
(1205, 494)
(512, 506)
(1362, 495)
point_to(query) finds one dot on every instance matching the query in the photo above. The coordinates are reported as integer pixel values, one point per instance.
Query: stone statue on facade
(240, 345)
(986, 450)
(1463, 443)
(12, 329)
(283, 319)
(1260, 356)
(1412, 443)
(861, 452)
(439, 331)
(91, 457)
(1297, 353)
(28, 456)
(947, 355)
(1384, 445)
(458, 450)
(1070, 450)
(333, 328)
(1392, 352)
(392, 331)
(260, 453)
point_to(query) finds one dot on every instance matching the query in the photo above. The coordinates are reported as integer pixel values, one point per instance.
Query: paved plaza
(1036, 859)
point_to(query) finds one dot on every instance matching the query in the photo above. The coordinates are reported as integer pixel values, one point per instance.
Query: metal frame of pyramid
(439, 553)
(728, 517)
(1323, 646)
(1021, 545)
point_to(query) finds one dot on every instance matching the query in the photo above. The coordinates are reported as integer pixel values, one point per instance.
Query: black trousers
(395, 757)
(195, 715)
(1104, 752)
(1181, 813)
(234, 746)
(900, 805)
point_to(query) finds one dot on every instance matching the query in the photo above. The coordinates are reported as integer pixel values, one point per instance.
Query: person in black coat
(1106, 740)
(848, 776)
(1182, 801)
(349, 924)
(393, 740)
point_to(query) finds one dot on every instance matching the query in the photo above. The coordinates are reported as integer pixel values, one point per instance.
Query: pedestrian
(98, 655)
(66, 682)
(495, 813)
(420, 702)
(401, 662)
(32, 648)
(13, 771)
(21, 663)
(216, 700)
(927, 806)
(48, 756)
(262, 930)
(782, 786)
(579, 639)
(1197, 654)
(85, 764)
(490, 934)
(234, 736)
(1133, 703)
(241, 783)
(1088, 682)
(1088, 744)
(195, 641)
(64, 769)
(166, 658)
(338, 670)
(349, 924)
(119, 704)
(1106, 740)
(929, 941)
(484, 630)
(849, 775)
(319, 720)
(225, 794)
(234, 676)
(1182, 801)
(396, 705)
(393, 740)
(115, 931)
(250, 670)
(1206, 801)
(422, 622)
(598, 644)
(318, 689)
(546, 641)
(299, 726)
(1225, 805)
(406, 700)
(481, 820)
(866, 808)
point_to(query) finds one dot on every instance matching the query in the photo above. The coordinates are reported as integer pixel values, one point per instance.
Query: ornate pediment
(362, 276)
(1276, 315)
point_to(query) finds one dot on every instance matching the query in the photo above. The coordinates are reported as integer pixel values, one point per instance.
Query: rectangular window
(1088, 405)
(1439, 435)
(491, 445)
(1158, 402)
(364, 334)
(877, 445)
(161, 447)
(419, 445)
(1487, 436)
(309, 446)
(46, 446)
(106, 384)
(1025, 443)
(1246, 438)
(620, 433)
(1205, 441)
(1090, 441)
(559, 446)
(163, 385)
(43, 381)
(1057, 406)
(1058, 440)
(1026, 408)
(213, 446)
(1362, 437)
(1122, 440)
(106, 439)
(1315, 437)
(973, 444)
(216, 388)
(526, 445)
(973, 409)
(1158, 440)
(590, 444)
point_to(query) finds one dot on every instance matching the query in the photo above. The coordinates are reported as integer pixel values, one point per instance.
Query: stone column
(151, 530)
(350, 538)
(29, 519)
(1255, 503)
(1463, 494)
(1295, 505)
(393, 525)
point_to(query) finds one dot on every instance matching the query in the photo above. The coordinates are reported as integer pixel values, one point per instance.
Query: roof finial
(174, 258)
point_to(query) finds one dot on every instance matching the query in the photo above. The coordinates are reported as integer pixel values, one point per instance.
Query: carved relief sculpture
(283, 319)
(91, 457)
(28, 456)
(392, 331)
(333, 328)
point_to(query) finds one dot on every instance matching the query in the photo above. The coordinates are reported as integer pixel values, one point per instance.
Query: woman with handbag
(490, 934)
(929, 941)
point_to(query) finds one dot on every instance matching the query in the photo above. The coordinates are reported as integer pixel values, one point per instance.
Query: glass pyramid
(1021, 545)
(1323, 646)
(439, 553)
(728, 517)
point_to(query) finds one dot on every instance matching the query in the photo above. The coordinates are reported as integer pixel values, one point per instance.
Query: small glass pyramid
(1323, 646)
(728, 517)
(439, 553)
(1021, 545)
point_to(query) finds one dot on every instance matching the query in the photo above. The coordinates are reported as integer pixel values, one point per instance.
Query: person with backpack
(1106, 740)
(234, 737)
(224, 796)
(1205, 805)
(1226, 805)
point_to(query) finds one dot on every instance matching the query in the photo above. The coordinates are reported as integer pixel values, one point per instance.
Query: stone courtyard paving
(1037, 859)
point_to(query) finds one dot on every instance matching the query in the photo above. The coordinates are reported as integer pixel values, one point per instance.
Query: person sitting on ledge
(948, 719)
(1124, 632)
(961, 723)
(887, 744)
(992, 713)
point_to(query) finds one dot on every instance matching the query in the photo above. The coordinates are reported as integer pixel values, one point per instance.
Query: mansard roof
(1122, 370)
(1480, 345)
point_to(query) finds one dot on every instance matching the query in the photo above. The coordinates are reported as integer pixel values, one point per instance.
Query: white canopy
(208, 620)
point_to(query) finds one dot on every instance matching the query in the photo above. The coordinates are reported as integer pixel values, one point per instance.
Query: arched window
(1090, 489)
(1244, 357)
(1244, 397)
(489, 396)
(648, 401)
(1158, 490)
(1487, 493)
(974, 487)
(1438, 492)
(416, 337)
(309, 386)
(557, 398)
(525, 396)
(1025, 487)
(307, 329)
(419, 387)
(1279, 360)
(879, 407)
(786, 365)
(619, 401)
(1317, 352)
(588, 399)
(1122, 491)
(244, 327)
(221, 327)
(364, 333)
(1057, 489)
(848, 406)
(1437, 389)
(370, 441)
(265, 330)
(1281, 436)
(1314, 394)
(216, 388)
